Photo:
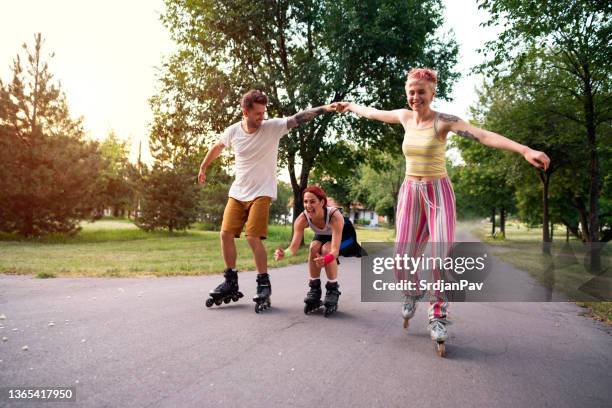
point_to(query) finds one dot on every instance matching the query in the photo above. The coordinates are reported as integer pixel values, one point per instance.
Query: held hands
(538, 159)
(339, 107)
(331, 107)
(342, 107)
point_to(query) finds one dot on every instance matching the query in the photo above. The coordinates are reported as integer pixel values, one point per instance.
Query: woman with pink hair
(426, 201)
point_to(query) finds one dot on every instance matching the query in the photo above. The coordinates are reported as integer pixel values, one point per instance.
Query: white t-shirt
(256, 157)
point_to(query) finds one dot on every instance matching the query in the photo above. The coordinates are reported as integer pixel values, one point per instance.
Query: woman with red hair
(426, 201)
(334, 236)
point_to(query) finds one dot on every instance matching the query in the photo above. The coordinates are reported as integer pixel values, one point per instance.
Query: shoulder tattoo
(445, 117)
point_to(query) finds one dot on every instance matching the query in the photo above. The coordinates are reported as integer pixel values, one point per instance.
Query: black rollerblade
(264, 290)
(313, 297)
(227, 291)
(331, 298)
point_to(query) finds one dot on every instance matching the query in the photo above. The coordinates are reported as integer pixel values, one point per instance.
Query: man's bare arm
(308, 114)
(212, 154)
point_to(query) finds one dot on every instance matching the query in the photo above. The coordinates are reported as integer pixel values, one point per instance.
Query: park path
(149, 342)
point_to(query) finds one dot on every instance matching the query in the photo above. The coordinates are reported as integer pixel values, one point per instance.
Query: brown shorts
(254, 214)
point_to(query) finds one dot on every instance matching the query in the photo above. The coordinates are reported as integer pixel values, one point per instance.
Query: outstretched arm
(298, 232)
(464, 129)
(308, 114)
(393, 116)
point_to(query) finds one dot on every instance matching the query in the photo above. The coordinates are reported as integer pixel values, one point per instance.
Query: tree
(570, 37)
(381, 180)
(536, 114)
(169, 198)
(169, 195)
(339, 173)
(303, 54)
(48, 173)
(279, 210)
(115, 190)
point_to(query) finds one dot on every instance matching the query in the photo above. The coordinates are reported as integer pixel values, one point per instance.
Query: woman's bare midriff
(424, 178)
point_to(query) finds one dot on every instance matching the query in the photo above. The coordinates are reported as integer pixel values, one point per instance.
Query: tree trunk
(493, 222)
(545, 179)
(502, 222)
(297, 187)
(569, 228)
(552, 231)
(589, 113)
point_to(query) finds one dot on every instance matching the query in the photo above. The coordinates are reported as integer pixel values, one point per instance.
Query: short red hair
(316, 190)
(423, 74)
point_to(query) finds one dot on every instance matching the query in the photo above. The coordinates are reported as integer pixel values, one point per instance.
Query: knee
(326, 249)
(253, 241)
(227, 236)
(314, 249)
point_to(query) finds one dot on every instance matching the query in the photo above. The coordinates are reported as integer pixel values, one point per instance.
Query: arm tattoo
(467, 134)
(306, 115)
(445, 117)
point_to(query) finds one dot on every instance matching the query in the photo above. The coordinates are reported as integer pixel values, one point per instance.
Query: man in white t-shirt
(255, 145)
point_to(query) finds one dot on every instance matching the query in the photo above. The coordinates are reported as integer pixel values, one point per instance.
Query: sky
(106, 54)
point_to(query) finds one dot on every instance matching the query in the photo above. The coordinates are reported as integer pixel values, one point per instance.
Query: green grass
(522, 248)
(375, 234)
(116, 248)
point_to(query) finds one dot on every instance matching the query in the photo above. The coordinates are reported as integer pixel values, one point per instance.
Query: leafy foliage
(49, 172)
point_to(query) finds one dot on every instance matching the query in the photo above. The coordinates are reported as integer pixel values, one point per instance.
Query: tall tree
(573, 37)
(169, 195)
(303, 53)
(537, 114)
(168, 198)
(115, 190)
(48, 173)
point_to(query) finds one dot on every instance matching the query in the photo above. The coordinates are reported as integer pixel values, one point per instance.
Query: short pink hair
(424, 74)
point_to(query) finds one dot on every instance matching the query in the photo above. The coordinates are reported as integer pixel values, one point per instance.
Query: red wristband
(329, 258)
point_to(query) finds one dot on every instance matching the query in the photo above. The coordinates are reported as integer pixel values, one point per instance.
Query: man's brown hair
(251, 97)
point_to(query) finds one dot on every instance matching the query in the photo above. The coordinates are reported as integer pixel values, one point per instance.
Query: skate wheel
(227, 300)
(441, 349)
(218, 302)
(240, 295)
(209, 302)
(329, 311)
(235, 298)
(406, 323)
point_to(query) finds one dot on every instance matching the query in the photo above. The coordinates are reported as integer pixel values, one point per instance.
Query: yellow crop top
(424, 153)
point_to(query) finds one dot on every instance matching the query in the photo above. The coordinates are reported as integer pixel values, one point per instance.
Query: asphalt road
(150, 342)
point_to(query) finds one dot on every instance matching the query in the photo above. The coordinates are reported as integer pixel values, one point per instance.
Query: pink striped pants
(425, 223)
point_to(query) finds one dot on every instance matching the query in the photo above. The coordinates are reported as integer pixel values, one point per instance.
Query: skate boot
(313, 297)
(226, 291)
(264, 290)
(438, 334)
(331, 298)
(408, 309)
